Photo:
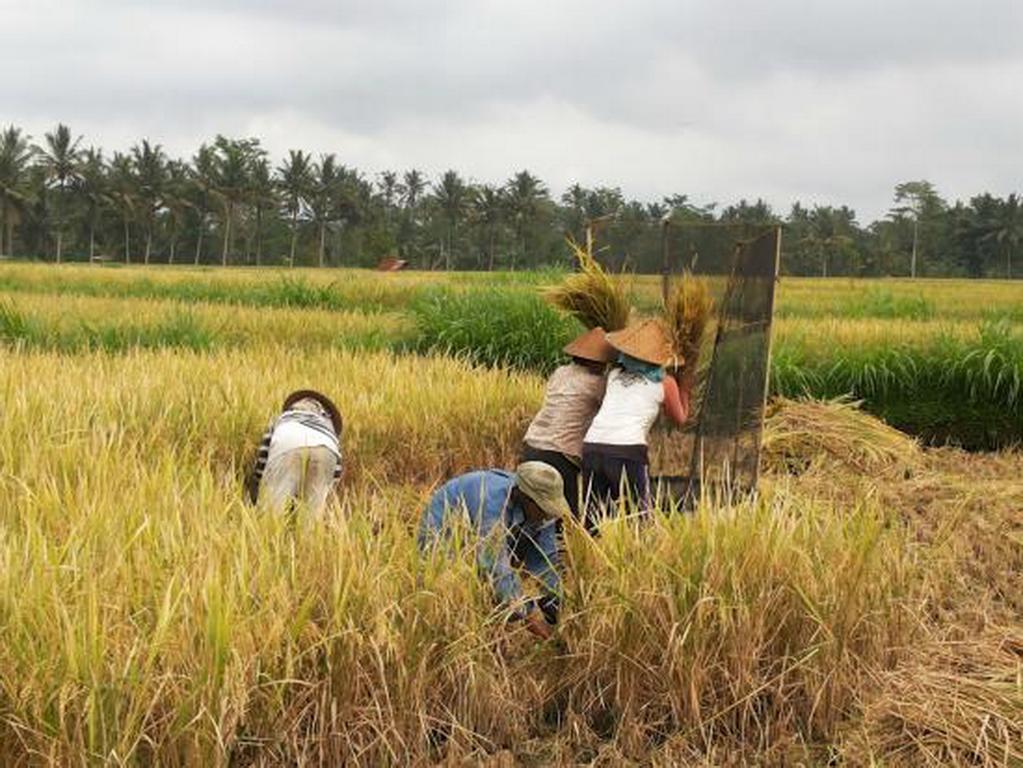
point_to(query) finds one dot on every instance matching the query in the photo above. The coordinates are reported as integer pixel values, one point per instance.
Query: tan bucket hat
(326, 402)
(592, 346)
(646, 341)
(543, 484)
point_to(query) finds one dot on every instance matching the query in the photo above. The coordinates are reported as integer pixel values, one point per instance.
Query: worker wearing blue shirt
(513, 514)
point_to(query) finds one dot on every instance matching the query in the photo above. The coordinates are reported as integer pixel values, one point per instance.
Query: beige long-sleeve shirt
(572, 398)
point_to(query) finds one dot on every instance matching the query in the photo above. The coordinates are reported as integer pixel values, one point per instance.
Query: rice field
(150, 616)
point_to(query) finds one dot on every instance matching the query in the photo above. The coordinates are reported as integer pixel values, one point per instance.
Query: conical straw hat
(646, 341)
(591, 345)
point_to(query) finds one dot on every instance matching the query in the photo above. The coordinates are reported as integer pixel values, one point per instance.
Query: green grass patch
(490, 327)
(968, 391)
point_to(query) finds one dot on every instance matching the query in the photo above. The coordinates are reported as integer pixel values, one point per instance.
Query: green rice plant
(491, 327)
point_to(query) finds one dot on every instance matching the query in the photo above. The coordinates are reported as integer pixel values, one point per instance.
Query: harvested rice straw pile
(950, 703)
(686, 316)
(799, 432)
(591, 295)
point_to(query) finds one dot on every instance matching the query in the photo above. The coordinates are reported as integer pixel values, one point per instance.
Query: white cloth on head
(631, 405)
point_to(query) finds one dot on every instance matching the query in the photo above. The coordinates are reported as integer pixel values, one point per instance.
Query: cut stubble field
(864, 609)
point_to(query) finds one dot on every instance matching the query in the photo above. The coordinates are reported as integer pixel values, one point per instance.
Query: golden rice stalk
(591, 295)
(950, 703)
(686, 316)
(799, 432)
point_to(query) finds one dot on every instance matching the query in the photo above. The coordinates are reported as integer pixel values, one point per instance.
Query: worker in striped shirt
(299, 458)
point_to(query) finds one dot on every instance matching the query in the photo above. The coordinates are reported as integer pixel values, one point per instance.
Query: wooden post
(665, 260)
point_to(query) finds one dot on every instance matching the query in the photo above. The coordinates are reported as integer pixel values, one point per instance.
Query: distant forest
(61, 200)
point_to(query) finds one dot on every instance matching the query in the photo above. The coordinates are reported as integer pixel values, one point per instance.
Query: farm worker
(615, 457)
(299, 458)
(513, 515)
(573, 395)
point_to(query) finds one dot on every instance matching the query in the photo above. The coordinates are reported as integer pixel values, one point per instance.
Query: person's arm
(260, 466)
(484, 500)
(676, 402)
(541, 558)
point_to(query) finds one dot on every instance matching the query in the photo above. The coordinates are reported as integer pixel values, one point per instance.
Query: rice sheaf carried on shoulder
(591, 295)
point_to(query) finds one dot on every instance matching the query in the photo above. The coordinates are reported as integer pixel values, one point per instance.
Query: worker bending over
(299, 458)
(513, 515)
(615, 458)
(573, 395)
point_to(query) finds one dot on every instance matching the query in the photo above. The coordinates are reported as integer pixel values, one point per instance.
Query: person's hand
(684, 397)
(537, 624)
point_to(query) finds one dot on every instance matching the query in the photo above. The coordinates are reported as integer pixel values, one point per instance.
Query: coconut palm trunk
(912, 261)
(227, 233)
(92, 240)
(60, 243)
(127, 241)
(149, 242)
(3, 226)
(323, 241)
(1008, 262)
(259, 235)
(294, 238)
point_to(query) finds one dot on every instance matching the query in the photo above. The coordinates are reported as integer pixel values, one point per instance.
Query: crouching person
(513, 515)
(299, 458)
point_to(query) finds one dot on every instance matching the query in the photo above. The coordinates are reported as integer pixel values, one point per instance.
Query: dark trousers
(606, 477)
(568, 470)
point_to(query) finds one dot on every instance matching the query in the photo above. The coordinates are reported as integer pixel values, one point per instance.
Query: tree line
(229, 204)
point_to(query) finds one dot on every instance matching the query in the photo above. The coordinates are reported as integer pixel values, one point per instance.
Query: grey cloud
(733, 97)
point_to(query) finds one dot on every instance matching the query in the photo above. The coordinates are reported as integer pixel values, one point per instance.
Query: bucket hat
(543, 484)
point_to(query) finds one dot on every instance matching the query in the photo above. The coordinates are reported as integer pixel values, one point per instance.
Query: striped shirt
(296, 429)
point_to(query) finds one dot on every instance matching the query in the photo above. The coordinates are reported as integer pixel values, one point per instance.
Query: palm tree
(453, 199)
(176, 190)
(203, 176)
(15, 157)
(412, 187)
(525, 194)
(233, 158)
(321, 201)
(488, 209)
(295, 180)
(1006, 228)
(150, 174)
(92, 185)
(262, 196)
(125, 193)
(60, 159)
(389, 191)
(827, 232)
(918, 198)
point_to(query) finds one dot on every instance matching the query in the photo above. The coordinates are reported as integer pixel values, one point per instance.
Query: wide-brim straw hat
(322, 399)
(591, 346)
(646, 341)
(543, 484)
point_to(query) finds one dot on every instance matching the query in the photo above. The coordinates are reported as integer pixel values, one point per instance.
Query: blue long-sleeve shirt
(503, 530)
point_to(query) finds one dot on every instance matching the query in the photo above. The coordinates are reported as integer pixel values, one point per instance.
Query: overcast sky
(821, 101)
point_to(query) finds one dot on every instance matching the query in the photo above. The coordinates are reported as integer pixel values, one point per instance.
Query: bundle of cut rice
(591, 295)
(686, 316)
(799, 432)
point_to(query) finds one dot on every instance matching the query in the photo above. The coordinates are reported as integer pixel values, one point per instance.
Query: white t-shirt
(631, 405)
